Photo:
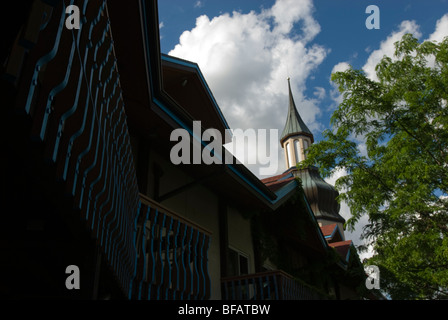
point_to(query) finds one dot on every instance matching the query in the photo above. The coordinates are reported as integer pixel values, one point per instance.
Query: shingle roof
(276, 182)
(328, 229)
(294, 123)
(342, 248)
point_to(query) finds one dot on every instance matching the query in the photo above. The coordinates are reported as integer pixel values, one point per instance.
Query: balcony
(172, 256)
(269, 285)
(70, 103)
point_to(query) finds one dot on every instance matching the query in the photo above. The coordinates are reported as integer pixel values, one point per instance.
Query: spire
(294, 123)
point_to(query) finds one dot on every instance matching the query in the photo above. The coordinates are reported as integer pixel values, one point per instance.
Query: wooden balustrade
(269, 285)
(69, 92)
(172, 255)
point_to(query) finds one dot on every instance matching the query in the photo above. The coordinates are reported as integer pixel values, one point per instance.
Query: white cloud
(344, 211)
(334, 93)
(387, 47)
(319, 93)
(198, 4)
(340, 67)
(441, 30)
(246, 59)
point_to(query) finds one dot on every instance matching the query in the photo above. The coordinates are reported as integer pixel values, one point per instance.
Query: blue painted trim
(201, 76)
(162, 225)
(167, 254)
(240, 291)
(207, 273)
(135, 248)
(268, 286)
(176, 263)
(246, 282)
(195, 262)
(336, 229)
(347, 256)
(72, 110)
(166, 110)
(286, 189)
(260, 286)
(201, 259)
(189, 245)
(184, 246)
(55, 91)
(44, 60)
(153, 271)
(276, 287)
(105, 145)
(313, 217)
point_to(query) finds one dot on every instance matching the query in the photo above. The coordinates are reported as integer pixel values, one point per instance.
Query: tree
(400, 181)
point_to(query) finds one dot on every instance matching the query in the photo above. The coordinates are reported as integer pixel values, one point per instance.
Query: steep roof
(332, 233)
(294, 123)
(342, 248)
(274, 183)
(320, 194)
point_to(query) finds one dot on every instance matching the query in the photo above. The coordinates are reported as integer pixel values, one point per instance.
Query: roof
(342, 248)
(294, 123)
(274, 183)
(331, 232)
(320, 194)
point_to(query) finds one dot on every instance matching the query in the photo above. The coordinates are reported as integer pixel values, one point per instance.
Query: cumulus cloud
(334, 93)
(247, 57)
(441, 30)
(344, 211)
(387, 47)
(319, 93)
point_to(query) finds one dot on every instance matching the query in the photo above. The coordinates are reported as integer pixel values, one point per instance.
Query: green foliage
(401, 180)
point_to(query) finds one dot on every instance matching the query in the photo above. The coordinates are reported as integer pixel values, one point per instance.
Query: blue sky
(342, 34)
(246, 49)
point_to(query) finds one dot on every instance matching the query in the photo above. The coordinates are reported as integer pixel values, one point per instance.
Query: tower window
(297, 150)
(305, 146)
(289, 155)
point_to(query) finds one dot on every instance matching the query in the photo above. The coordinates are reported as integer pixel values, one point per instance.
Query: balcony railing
(69, 91)
(269, 285)
(172, 256)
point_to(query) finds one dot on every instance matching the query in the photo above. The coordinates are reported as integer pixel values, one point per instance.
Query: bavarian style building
(87, 179)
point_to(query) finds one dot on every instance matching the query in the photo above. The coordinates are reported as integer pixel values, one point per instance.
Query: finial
(288, 78)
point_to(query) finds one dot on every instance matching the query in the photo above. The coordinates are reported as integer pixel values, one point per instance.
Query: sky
(246, 50)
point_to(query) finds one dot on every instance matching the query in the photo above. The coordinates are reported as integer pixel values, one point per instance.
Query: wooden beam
(189, 185)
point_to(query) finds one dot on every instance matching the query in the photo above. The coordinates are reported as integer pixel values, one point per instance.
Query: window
(298, 150)
(305, 146)
(238, 263)
(288, 149)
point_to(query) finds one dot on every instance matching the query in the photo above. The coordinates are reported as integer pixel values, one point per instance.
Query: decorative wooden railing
(172, 256)
(269, 285)
(69, 91)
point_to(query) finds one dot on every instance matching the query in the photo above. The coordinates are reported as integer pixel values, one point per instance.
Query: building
(88, 180)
